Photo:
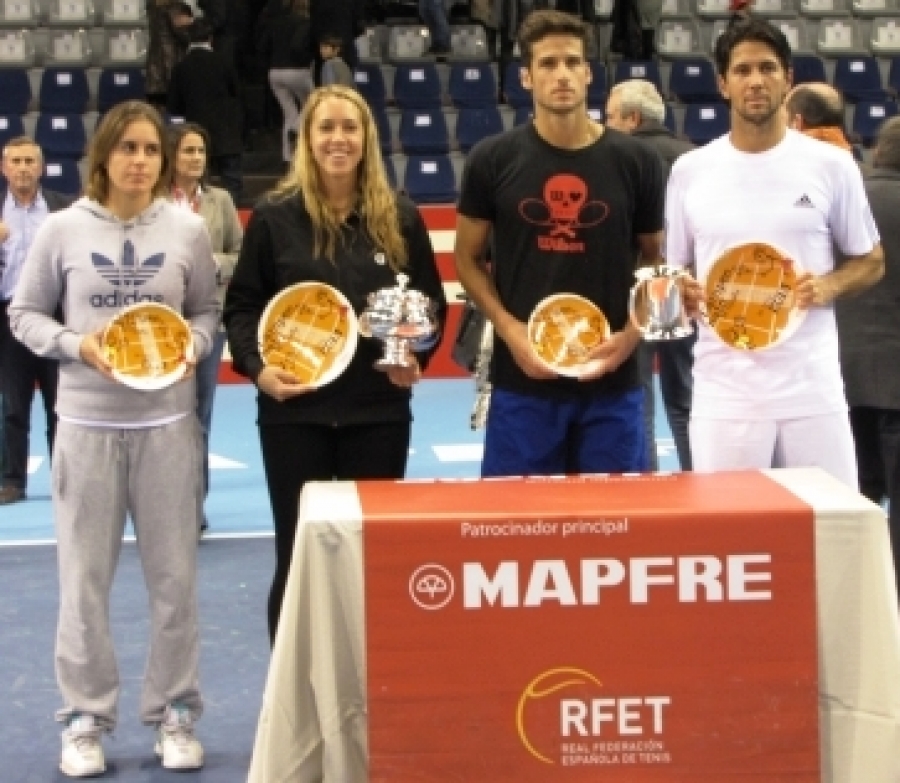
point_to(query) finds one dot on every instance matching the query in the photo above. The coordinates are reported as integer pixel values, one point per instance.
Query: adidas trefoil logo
(804, 201)
(132, 273)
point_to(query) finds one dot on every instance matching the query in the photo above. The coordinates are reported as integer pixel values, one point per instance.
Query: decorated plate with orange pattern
(750, 301)
(148, 345)
(311, 331)
(563, 329)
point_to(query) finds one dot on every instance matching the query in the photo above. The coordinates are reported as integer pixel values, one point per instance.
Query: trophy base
(397, 353)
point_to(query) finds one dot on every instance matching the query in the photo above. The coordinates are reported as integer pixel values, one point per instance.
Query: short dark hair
(748, 28)
(887, 151)
(331, 39)
(539, 24)
(816, 110)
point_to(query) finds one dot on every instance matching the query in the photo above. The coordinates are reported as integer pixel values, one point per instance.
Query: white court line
(129, 539)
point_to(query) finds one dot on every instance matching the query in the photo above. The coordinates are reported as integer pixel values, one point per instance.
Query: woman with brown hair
(189, 189)
(333, 220)
(122, 451)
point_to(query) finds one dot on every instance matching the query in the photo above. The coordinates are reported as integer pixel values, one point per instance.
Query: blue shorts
(535, 436)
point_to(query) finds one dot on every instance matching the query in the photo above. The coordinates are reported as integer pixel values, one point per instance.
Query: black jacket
(277, 253)
(204, 89)
(283, 39)
(658, 136)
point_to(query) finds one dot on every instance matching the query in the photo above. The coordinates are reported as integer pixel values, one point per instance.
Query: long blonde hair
(377, 202)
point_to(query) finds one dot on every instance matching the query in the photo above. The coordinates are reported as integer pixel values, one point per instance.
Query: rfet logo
(566, 716)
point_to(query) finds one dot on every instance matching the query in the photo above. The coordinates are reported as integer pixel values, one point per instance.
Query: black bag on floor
(468, 336)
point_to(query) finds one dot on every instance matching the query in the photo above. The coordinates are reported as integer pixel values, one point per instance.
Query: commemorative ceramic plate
(562, 329)
(148, 345)
(311, 331)
(750, 301)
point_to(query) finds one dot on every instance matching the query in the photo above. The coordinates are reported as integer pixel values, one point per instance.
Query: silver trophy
(655, 304)
(403, 319)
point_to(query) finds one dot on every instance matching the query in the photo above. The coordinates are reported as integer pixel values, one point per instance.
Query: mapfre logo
(431, 586)
(567, 717)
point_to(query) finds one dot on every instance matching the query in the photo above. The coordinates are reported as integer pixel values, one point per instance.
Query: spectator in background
(284, 41)
(436, 17)
(345, 19)
(869, 337)
(334, 69)
(816, 109)
(333, 219)
(188, 148)
(166, 23)
(635, 107)
(204, 90)
(25, 206)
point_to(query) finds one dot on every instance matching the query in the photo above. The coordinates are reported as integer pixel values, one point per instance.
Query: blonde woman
(335, 220)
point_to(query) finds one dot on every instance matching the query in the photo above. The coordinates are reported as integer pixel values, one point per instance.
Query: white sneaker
(82, 753)
(176, 744)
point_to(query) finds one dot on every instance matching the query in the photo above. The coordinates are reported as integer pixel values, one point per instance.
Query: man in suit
(636, 108)
(204, 89)
(24, 206)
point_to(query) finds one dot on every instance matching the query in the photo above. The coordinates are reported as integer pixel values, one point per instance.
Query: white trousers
(291, 87)
(813, 441)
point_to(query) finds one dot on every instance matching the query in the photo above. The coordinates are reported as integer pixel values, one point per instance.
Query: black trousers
(876, 433)
(20, 371)
(296, 453)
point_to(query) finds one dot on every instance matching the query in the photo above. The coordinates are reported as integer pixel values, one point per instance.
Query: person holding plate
(568, 200)
(332, 224)
(127, 444)
(757, 213)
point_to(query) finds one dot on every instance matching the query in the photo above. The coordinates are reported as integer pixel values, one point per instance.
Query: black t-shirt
(564, 221)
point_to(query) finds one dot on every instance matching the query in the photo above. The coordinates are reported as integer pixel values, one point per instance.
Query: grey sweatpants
(99, 476)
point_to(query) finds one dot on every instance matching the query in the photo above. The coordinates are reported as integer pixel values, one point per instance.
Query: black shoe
(10, 494)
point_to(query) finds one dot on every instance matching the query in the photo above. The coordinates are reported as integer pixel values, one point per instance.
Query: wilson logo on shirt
(564, 210)
(130, 275)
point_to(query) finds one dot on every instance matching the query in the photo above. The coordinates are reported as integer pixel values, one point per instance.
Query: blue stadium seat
(476, 123)
(15, 91)
(808, 68)
(63, 90)
(598, 89)
(704, 122)
(383, 125)
(61, 136)
(894, 76)
(11, 126)
(638, 69)
(859, 79)
(117, 85)
(417, 85)
(429, 179)
(516, 95)
(369, 82)
(62, 176)
(693, 80)
(424, 131)
(868, 117)
(472, 84)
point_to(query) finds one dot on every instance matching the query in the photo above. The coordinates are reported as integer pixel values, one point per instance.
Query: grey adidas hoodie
(92, 264)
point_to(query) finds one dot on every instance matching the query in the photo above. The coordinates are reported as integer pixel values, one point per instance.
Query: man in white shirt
(763, 183)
